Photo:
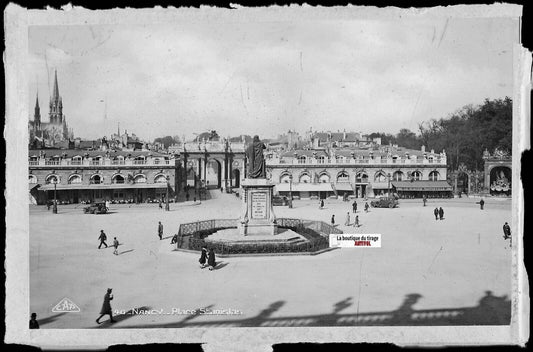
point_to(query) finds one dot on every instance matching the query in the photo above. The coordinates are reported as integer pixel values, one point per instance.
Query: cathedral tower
(56, 105)
(37, 114)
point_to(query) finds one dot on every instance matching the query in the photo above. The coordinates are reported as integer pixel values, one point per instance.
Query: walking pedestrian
(160, 204)
(102, 239)
(34, 324)
(106, 307)
(347, 222)
(436, 212)
(203, 257)
(424, 200)
(322, 204)
(115, 244)
(354, 206)
(160, 230)
(356, 222)
(441, 213)
(366, 207)
(333, 220)
(481, 203)
(48, 204)
(506, 231)
(211, 259)
(174, 239)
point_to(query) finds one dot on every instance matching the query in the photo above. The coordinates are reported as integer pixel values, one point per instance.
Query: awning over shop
(50, 186)
(421, 185)
(343, 187)
(380, 185)
(304, 187)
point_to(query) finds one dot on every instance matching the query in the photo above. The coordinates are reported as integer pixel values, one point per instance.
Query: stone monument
(257, 211)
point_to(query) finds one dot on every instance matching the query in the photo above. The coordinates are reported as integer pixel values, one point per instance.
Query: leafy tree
(466, 133)
(166, 141)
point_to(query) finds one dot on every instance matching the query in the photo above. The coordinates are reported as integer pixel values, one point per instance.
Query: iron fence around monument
(258, 248)
(192, 236)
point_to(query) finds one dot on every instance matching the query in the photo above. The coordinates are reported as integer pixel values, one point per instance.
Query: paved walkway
(448, 264)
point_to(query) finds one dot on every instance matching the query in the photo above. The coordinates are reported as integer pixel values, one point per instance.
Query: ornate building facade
(74, 176)
(498, 173)
(321, 173)
(357, 172)
(53, 132)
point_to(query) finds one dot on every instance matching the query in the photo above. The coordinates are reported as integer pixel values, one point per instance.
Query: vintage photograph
(195, 173)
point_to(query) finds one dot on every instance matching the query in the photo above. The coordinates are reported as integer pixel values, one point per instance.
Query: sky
(267, 78)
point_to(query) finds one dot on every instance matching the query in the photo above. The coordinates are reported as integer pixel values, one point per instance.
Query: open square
(427, 272)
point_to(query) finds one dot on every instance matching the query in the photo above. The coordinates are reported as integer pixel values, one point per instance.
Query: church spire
(55, 96)
(37, 114)
(56, 104)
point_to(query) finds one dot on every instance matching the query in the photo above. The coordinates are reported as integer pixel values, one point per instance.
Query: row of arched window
(97, 179)
(362, 177)
(302, 159)
(119, 159)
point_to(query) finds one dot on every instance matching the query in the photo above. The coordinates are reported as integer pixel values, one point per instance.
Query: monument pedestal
(258, 213)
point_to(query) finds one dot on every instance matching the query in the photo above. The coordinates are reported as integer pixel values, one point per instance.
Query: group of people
(207, 257)
(103, 239)
(347, 222)
(348, 219)
(354, 206)
(439, 213)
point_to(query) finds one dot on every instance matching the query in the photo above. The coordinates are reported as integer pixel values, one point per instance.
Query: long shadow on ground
(491, 310)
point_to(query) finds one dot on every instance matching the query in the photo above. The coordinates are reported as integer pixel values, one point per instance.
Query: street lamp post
(167, 206)
(290, 191)
(54, 208)
(388, 189)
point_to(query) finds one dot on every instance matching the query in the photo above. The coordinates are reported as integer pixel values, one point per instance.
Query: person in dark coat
(211, 259)
(333, 220)
(441, 213)
(366, 207)
(481, 203)
(160, 230)
(102, 239)
(174, 239)
(354, 206)
(436, 212)
(34, 324)
(321, 203)
(506, 231)
(106, 307)
(203, 257)
(160, 204)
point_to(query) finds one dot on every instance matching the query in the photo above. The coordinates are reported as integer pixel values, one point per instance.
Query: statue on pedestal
(257, 216)
(256, 160)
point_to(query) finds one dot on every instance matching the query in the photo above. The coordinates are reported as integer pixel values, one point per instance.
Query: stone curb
(259, 254)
